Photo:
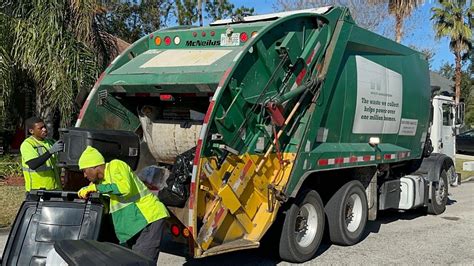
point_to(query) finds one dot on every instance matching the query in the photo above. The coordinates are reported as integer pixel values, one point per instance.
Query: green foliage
(52, 49)
(6, 71)
(130, 20)
(453, 20)
(187, 11)
(218, 9)
(447, 70)
(14, 81)
(467, 89)
(58, 46)
(10, 166)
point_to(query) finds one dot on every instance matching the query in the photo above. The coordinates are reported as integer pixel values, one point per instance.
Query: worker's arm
(29, 153)
(108, 189)
(120, 179)
(38, 161)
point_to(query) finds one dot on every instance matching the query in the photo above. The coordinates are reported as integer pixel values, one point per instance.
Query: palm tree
(452, 20)
(60, 45)
(200, 13)
(401, 9)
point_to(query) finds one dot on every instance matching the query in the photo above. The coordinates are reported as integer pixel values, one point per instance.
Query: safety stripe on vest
(42, 168)
(124, 202)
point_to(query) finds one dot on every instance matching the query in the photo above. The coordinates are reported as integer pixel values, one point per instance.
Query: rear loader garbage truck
(301, 117)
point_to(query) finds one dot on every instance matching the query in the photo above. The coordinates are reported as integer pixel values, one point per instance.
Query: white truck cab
(443, 129)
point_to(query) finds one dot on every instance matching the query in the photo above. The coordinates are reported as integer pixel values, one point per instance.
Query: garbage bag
(177, 191)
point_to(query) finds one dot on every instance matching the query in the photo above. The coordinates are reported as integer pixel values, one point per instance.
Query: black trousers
(147, 241)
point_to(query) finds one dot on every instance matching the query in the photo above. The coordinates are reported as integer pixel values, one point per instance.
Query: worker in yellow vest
(137, 214)
(38, 157)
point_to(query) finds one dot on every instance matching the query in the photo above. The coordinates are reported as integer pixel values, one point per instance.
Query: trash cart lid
(90, 252)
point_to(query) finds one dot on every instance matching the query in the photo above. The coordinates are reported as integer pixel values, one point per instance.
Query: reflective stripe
(41, 150)
(42, 168)
(122, 202)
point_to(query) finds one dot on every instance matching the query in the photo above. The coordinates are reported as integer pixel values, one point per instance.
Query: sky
(419, 29)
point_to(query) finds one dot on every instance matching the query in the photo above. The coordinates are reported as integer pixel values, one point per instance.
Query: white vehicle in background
(447, 117)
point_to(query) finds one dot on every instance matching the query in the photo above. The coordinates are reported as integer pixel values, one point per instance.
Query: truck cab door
(448, 135)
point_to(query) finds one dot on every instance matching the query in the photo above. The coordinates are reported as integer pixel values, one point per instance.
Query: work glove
(84, 192)
(57, 147)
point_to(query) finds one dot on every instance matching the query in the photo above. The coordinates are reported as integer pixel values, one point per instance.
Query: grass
(11, 198)
(464, 174)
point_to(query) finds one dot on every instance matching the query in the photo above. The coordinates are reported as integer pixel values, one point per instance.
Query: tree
(130, 20)
(188, 12)
(366, 17)
(58, 46)
(219, 9)
(7, 72)
(467, 89)
(429, 53)
(401, 9)
(447, 70)
(453, 20)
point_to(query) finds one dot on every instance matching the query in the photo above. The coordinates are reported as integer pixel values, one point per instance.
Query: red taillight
(244, 37)
(213, 33)
(166, 97)
(167, 40)
(195, 34)
(175, 230)
(203, 34)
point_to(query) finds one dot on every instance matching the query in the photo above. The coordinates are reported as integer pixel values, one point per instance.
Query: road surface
(396, 238)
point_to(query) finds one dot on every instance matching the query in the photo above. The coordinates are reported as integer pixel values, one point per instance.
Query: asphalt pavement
(410, 237)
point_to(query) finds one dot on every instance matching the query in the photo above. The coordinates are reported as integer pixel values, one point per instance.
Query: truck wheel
(303, 228)
(347, 214)
(439, 195)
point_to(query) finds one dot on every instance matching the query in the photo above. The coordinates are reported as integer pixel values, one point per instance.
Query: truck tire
(439, 194)
(303, 228)
(346, 211)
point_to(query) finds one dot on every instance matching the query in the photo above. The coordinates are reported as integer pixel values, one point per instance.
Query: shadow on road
(246, 257)
(267, 254)
(389, 216)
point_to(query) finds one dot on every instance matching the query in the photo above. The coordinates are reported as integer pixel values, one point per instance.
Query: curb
(469, 179)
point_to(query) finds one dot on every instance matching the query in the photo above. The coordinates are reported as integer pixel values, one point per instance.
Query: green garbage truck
(302, 118)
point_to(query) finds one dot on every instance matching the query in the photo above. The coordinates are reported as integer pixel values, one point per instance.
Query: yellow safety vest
(47, 175)
(133, 206)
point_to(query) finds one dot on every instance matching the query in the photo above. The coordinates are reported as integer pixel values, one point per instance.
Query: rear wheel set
(346, 211)
(304, 221)
(303, 228)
